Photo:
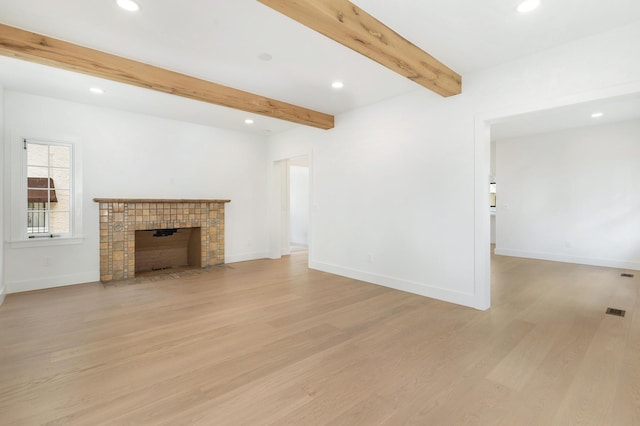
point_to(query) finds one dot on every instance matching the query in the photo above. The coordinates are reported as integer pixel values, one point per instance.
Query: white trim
(45, 242)
(559, 257)
(275, 174)
(17, 181)
(3, 293)
(51, 282)
(278, 173)
(25, 177)
(482, 216)
(312, 206)
(242, 257)
(482, 230)
(421, 289)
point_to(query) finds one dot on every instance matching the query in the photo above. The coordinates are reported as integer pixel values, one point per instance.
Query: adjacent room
(322, 212)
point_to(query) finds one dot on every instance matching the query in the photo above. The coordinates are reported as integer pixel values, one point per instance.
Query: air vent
(624, 274)
(618, 312)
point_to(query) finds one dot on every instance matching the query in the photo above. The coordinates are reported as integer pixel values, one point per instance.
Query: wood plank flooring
(271, 342)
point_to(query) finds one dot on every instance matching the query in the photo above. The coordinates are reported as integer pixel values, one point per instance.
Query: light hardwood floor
(271, 342)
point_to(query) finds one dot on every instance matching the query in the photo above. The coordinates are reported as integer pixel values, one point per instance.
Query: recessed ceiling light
(528, 6)
(265, 57)
(97, 91)
(597, 114)
(129, 5)
(337, 85)
(248, 121)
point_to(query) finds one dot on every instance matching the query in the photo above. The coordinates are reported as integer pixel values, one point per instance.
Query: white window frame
(47, 232)
(19, 237)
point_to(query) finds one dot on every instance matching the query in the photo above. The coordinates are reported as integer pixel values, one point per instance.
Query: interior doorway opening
(299, 204)
(488, 127)
(290, 212)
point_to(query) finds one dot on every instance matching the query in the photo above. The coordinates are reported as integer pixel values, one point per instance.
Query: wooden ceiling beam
(21, 44)
(351, 26)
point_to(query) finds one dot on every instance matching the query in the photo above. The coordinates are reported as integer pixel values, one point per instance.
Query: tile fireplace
(120, 218)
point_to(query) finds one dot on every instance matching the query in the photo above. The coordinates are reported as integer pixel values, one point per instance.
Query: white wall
(399, 188)
(3, 288)
(572, 196)
(127, 155)
(385, 206)
(299, 204)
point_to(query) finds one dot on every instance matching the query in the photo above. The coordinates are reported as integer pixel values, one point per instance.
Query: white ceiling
(222, 41)
(622, 108)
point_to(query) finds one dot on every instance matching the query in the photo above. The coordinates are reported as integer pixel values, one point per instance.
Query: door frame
(280, 210)
(482, 159)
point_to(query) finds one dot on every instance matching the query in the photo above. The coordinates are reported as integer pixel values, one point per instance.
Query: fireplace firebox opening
(164, 249)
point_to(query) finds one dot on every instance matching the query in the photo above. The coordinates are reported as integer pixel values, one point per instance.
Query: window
(49, 189)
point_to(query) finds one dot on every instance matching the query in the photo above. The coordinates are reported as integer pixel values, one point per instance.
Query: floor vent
(618, 312)
(624, 274)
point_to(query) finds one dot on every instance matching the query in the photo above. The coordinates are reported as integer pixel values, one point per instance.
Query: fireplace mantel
(120, 218)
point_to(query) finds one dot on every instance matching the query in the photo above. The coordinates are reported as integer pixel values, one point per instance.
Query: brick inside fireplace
(121, 218)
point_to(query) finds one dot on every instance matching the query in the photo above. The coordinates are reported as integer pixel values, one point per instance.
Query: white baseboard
(245, 256)
(459, 298)
(51, 282)
(558, 257)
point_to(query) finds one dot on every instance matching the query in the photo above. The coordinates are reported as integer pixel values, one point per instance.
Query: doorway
(290, 206)
(486, 129)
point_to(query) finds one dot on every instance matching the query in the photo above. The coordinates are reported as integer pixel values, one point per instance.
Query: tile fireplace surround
(120, 218)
